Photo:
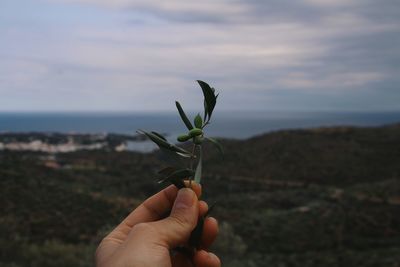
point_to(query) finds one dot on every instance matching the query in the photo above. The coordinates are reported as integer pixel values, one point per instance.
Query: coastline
(57, 142)
(236, 125)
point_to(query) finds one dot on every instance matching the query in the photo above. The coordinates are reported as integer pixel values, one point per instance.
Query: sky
(126, 55)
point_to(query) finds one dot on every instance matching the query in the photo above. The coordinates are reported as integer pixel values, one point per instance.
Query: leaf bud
(198, 121)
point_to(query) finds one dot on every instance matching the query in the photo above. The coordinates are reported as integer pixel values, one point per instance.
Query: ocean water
(238, 125)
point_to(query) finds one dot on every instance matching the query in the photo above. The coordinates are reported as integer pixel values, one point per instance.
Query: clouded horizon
(125, 55)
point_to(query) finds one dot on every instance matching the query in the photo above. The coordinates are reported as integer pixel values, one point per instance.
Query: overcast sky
(126, 55)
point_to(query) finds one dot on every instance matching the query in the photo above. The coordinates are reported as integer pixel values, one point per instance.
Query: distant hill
(336, 155)
(316, 197)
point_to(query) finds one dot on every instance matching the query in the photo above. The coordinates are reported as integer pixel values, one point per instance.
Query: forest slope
(317, 197)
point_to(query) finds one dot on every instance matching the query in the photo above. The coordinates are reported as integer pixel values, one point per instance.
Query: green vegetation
(319, 197)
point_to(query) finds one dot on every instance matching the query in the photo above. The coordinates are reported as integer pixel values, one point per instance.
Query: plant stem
(205, 124)
(191, 163)
(193, 156)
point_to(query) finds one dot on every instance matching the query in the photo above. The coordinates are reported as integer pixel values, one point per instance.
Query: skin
(146, 237)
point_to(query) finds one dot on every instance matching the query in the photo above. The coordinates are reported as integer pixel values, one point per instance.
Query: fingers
(157, 206)
(210, 228)
(210, 232)
(201, 258)
(146, 227)
(206, 259)
(203, 207)
(175, 229)
(195, 187)
(180, 260)
(152, 209)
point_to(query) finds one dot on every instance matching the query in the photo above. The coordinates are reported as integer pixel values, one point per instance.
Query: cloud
(334, 81)
(118, 54)
(332, 3)
(207, 11)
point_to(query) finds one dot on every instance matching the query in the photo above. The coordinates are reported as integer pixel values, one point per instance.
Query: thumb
(175, 230)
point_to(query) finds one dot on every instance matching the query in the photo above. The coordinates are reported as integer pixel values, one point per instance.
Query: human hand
(146, 237)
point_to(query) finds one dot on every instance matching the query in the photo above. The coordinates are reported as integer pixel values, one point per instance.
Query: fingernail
(212, 255)
(184, 199)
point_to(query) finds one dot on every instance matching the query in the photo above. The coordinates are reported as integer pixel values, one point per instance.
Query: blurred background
(308, 112)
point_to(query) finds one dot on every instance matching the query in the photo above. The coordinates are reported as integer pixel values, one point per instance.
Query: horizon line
(193, 111)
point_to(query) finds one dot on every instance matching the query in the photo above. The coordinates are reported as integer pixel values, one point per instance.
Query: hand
(146, 237)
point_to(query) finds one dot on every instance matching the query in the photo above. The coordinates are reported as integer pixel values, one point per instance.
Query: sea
(234, 124)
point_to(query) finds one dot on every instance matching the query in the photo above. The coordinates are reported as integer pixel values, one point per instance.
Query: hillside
(317, 197)
(341, 155)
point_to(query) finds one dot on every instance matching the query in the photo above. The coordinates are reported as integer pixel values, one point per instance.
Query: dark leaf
(187, 251)
(173, 154)
(205, 111)
(167, 170)
(209, 97)
(156, 139)
(159, 135)
(185, 155)
(178, 174)
(210, 209)
(195, 236)
(183, 116)
(177, 180)
(179, 183)
(217, 144)
(164, 144)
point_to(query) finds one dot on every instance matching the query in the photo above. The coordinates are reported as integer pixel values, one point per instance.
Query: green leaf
(172, 154)
(197, 175)
(164, 144)
(183, 116)
(198, 121)
(209, 98)
(155, 138)
(205, 111)
(195, 235)
(159, 135)
(178, 174)
(210, 209)
(217, 144)
(179, 183)
(167, 170)
(185, 155)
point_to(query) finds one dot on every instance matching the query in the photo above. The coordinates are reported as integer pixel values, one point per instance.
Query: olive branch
(196, 136)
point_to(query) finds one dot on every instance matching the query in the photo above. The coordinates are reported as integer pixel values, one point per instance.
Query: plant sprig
(195, 135)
